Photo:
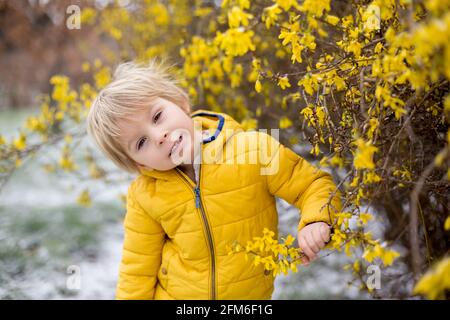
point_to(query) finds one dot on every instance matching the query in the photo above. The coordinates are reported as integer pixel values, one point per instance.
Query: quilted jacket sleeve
(141, 255)
(292, 178)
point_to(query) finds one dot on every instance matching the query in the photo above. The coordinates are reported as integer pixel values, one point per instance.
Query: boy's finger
(312, 243)
(320, 244)
(302, 244)
(309, 251)
(318, 238)
(305, 260)
(325, 233)
(305, 248)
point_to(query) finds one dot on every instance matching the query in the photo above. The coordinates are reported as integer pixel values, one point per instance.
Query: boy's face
(150, 134)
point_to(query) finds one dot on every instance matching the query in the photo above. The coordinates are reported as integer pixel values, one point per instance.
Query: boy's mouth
(175, 145)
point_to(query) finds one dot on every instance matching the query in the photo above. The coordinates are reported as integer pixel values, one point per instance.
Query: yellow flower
(66, 162)
(284, 82)
(115, 33)
(388, 257)
(235, 42)
(68, 138)
(365, 217)
(36, 124)
(289, 240)
(88, 15)
(333, 20)
(102, 77)
(378, 48)
(447, 104)
(371, 177)
(315, 7)
(297, 49)
(236, 17)
(354, 182)
(369, 254)
(310, 82)
(201, 12)
(85, 67)
(258, 86)
(244, 4)
(236, 75)
(249, 124)
(435, 282)
(285, 122)
(338, 237)
(364, 154)
(339, 83)
(308, 40)
(270, 15)
(84, 198)
(289, 35)
(447, 223)
(160, 13)
(286, 4)
(315, 149)
(337, 161)
(97, 63)
(356, 266)
(95, 172)
(293, 267)
(20, 143)
(355, 48)
(374, 124)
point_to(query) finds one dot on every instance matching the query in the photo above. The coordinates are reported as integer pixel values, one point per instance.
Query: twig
(416, 258)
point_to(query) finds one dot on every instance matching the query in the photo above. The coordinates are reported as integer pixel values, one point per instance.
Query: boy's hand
(312, 238)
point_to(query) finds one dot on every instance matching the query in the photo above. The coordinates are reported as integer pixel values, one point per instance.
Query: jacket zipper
(199, 204)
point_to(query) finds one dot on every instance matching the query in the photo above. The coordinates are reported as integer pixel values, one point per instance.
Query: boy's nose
(163, 138)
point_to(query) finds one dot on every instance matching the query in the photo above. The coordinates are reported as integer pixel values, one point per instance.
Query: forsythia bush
(366, 83)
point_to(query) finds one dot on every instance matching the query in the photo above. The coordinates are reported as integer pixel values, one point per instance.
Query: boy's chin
(178, 162)
(170, 166)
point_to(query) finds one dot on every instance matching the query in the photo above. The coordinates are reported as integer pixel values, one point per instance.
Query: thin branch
(413, 220)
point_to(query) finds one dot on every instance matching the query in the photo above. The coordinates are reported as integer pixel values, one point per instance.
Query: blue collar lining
(219, 128)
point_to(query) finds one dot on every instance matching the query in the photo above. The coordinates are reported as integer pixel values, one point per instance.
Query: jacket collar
(221, 128)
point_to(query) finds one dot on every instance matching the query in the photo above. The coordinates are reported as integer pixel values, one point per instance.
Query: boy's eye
(157, 116)
(141, 142)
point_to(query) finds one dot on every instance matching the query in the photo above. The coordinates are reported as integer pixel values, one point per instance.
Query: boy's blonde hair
(133, 87)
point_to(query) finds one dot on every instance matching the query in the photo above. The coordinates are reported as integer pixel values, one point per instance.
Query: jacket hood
(220, 126)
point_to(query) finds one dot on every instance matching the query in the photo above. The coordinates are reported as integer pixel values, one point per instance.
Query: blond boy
(198, 189)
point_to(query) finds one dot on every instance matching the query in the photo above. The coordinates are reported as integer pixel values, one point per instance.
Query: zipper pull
(197, 197)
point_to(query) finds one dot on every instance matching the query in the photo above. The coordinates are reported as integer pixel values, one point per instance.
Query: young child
(198, 190)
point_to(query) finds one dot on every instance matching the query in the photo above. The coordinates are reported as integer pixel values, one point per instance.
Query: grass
(45, 241)
(42, 229)
(11, 120)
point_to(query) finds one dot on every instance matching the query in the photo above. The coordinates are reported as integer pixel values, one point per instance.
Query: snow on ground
(99, 277)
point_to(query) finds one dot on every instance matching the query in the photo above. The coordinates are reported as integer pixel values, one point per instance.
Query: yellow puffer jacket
(176, 234)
